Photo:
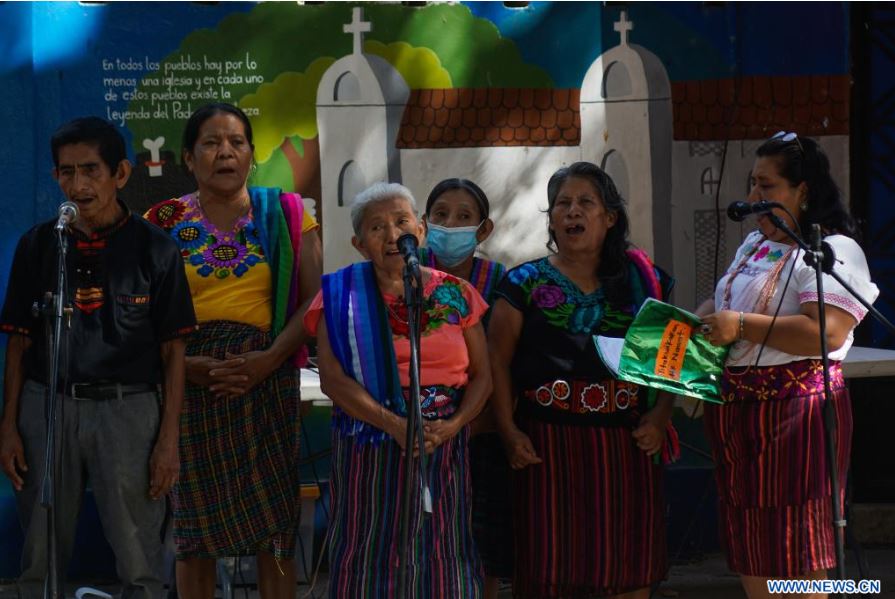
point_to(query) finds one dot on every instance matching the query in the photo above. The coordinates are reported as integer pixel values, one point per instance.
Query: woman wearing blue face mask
(457, 221)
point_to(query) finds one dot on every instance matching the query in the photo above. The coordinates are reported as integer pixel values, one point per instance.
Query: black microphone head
(408, 243)
(407, 246)
(738, 211)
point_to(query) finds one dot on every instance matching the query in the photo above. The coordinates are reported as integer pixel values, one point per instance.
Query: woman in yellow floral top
(252, 258)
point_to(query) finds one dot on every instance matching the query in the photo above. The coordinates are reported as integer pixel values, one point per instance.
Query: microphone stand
(821, 258)
(413, 287)
(53, 312)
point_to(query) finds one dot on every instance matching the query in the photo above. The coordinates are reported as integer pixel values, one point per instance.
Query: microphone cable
(718, 217)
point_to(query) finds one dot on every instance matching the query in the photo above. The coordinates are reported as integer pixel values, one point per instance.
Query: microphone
(407, 245)
(68, 213)
(738, 211)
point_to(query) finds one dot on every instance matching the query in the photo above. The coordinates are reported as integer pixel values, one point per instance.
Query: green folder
(662, 350)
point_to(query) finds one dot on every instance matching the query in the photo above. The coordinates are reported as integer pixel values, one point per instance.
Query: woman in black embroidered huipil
(587, 493)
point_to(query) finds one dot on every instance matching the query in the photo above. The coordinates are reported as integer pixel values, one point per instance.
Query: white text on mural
(172, 89)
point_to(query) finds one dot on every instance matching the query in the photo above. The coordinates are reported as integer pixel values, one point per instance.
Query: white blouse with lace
(757, 259)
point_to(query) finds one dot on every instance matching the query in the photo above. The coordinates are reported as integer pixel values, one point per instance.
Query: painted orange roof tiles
(706, 110)
(756, 107)
(486, 117)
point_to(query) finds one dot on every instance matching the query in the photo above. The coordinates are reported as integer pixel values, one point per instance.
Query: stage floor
(707, 578)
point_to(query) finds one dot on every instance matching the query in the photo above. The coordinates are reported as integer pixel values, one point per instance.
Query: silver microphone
(68, 213)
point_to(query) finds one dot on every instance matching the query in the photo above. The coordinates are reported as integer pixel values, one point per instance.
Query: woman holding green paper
(588, 501)
(252, 259)
(767, 437)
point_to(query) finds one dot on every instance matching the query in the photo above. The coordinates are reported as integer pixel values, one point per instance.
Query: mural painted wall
(670, 98)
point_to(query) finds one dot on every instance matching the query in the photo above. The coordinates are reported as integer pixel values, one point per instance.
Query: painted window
(616, 81)
(615, 167)
(351, 182)
(710, 181)
(347, 88)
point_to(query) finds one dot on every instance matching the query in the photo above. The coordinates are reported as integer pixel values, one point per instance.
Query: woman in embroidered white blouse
(767, 438)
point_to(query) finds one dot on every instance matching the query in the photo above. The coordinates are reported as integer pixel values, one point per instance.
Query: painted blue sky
(694, 40)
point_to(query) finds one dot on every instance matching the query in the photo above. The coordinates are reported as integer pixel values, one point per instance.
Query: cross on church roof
(357, 27)
(623, 26)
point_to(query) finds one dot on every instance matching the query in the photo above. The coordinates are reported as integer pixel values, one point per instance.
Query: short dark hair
(801, 160)
(202, 114)
(613, 269)
(466, 185)
(93, 131)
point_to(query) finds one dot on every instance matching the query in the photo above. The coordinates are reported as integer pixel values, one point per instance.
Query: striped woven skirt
(589, 520)
(771, 467)
(367, 488)
(492, 509)
(239, 489)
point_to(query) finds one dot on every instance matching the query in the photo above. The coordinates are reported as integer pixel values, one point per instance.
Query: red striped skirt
(589, 521)
(774, 498)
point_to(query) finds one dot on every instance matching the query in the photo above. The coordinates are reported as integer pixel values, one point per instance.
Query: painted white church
(367, 134)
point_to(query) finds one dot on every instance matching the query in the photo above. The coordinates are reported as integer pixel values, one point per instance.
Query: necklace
(395, 314)
(768, 289)
(728, 287)
(771, 280)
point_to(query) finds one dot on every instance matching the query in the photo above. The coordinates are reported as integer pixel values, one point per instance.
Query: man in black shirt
(131, 308)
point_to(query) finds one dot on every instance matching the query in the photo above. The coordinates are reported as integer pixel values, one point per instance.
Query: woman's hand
(438, 432)
(242, 373)
(397, 429)
(797, 334)
(520, 451)
(199, 368)
(235, 375)
(650, 435)
(721, 328)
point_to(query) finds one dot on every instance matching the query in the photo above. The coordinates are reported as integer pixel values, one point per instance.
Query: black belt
(102, 391)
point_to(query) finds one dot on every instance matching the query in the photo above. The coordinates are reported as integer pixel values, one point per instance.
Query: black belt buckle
(91, 391)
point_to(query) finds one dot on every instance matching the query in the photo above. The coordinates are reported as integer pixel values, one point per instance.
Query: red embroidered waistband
(585, 397)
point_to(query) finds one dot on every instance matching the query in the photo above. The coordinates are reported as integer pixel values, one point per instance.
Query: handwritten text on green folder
(661, 350)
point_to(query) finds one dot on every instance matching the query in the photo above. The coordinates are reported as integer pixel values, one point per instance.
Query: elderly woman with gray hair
(360, 322)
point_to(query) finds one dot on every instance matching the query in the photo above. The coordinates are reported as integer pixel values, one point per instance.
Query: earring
(803, 206)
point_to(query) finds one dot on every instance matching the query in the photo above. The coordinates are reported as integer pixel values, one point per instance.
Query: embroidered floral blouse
(228, 274)
(559, 321)
(485, 276)
(450, 305)
(757, 259)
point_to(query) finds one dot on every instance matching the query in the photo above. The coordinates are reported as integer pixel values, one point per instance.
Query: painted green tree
(291, 45)
(286, 125)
